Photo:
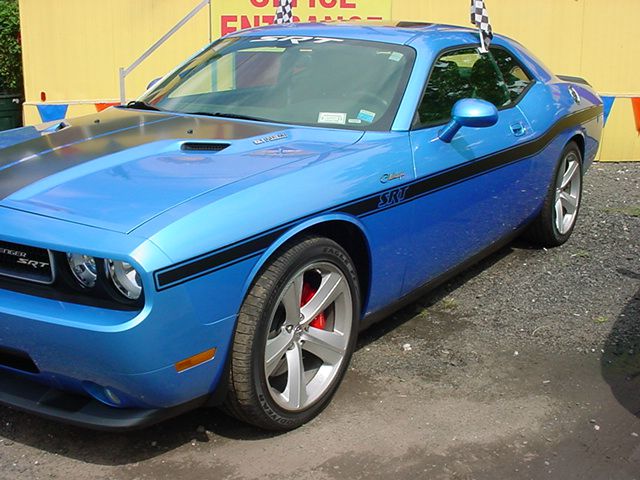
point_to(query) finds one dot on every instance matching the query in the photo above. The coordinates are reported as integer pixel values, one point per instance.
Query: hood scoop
(204, 147)
(56, 127)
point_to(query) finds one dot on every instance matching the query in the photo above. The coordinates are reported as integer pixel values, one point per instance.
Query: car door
(473, 190)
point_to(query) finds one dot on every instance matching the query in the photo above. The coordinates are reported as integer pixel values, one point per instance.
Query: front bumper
(133, 353)
(79, 410)
(71, 349)
(68, 351)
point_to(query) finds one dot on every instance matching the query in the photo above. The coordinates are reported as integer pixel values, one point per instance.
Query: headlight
(83, 268)
(124, 278)
(104, 279)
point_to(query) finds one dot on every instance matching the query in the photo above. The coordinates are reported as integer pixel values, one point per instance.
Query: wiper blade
(231, 115)
(142, 106)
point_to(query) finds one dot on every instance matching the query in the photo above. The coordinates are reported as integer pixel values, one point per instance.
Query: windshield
(315, 81)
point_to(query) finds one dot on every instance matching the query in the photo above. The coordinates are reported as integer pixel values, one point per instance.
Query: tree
(10, 49)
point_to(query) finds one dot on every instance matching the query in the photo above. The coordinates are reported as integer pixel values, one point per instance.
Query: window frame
(416, 124)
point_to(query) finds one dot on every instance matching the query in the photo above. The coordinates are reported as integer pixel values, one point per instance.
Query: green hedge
(10, 50)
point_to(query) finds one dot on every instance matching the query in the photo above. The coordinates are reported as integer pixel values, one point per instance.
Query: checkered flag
(284, 13)
(480, 18)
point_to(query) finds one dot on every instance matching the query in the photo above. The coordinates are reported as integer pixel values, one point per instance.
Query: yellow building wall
(74, 48)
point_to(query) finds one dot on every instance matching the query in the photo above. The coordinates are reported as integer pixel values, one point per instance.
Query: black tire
(250, 397)
(544, 231)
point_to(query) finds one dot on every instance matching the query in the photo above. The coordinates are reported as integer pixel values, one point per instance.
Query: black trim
(59, 291)
(21, 393)
(13, 253)
(209, 262)
(18, 360)
(566, 78)
(375, 203)
(65, 288)
(406, 24)
(204, 147)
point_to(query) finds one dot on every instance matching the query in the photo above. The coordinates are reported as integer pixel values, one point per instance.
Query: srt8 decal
(393, 197)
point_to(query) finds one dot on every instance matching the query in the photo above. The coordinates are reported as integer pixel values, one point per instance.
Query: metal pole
(483, 47)
(210, 22)
(123, 95)
(124, 72)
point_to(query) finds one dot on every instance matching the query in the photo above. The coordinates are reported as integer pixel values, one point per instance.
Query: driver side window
(461, 74)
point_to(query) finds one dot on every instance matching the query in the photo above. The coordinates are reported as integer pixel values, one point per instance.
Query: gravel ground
(526, 366)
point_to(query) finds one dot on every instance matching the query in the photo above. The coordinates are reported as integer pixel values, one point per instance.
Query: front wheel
(559, 214)
(295, 335)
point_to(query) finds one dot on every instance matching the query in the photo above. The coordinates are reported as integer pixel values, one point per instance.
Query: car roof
(398, 32)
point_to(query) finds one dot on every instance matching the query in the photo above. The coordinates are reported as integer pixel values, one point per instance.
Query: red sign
(233, 15)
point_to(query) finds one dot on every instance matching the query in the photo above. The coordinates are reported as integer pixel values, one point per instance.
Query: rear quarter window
(515, 76)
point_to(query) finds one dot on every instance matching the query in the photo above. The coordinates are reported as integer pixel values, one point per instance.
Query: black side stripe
(210, 262)
(256, 245)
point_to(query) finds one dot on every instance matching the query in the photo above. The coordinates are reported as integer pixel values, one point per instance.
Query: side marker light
(195, 360)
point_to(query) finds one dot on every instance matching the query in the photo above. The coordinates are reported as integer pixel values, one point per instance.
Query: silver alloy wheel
(302, 361)
(568, 191)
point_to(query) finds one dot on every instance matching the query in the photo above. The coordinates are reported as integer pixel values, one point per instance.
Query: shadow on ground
(621, 357)
(115, 449)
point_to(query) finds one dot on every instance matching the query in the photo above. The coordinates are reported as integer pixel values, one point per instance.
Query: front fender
(298, 230)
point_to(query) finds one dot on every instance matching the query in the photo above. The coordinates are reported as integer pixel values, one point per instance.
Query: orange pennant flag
(103, 106)
(636, 112)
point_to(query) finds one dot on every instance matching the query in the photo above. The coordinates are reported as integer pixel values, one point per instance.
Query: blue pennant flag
(608, 105)
(51, 113)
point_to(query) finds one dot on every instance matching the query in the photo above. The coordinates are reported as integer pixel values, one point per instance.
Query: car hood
(121, 168)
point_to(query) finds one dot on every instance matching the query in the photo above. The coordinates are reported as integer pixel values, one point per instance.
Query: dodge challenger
(224, 238)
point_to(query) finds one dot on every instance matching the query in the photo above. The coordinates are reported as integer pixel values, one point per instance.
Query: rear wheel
(559, 214)
(295, 335)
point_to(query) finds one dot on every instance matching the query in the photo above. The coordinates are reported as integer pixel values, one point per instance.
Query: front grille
(26, 263)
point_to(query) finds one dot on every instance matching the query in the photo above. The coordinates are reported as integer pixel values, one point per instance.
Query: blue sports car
(223, 239)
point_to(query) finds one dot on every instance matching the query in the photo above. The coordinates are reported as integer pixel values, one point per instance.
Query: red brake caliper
(308, 292)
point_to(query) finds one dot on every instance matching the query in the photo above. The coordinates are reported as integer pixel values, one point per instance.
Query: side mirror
(153, 82)
(469, 112)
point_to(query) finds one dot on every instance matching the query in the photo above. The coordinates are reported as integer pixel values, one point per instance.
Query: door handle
(518, 129)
